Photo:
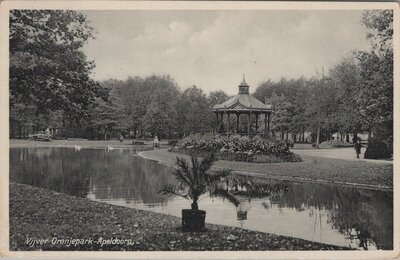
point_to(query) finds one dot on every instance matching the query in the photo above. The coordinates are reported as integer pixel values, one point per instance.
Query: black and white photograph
(222, 129)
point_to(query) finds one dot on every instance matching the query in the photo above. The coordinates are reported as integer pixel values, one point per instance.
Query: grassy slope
(314, 168)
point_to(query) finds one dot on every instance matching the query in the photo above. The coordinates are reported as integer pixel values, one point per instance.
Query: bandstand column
(256, 122)
(221, 123)
(226, 128)
(228, 123)
(237, 122)
(265, 122)
(217, 124)
(248, 123)
(269, 120)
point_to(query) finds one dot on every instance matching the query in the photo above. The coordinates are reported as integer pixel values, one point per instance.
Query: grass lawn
(312, 168)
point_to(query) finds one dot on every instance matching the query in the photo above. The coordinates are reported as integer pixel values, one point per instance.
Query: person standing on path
(156, 143)
(357, 147)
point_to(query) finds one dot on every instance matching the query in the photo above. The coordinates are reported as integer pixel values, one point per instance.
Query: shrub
(378, 149)
(238, 148)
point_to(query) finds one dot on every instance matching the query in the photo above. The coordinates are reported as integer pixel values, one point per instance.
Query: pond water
(332, 214)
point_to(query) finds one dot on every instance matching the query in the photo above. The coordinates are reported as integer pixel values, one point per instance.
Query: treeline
(51, 86)
(154, 105)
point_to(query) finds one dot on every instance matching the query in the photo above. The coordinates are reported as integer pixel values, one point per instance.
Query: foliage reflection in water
(330, 214)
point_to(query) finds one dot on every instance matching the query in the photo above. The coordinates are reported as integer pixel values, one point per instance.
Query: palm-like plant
(197, 179)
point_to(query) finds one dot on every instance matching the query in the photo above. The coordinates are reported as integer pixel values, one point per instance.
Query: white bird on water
(77, 147)
(109, 148)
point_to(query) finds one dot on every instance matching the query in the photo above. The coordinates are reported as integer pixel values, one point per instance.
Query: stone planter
(193, 220)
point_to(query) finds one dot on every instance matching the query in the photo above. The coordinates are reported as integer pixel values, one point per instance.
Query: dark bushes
(237, 148)
(378, 149)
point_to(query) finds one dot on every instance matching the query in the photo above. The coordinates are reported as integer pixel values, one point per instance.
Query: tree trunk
(194, 205)
(317, 142)
(301, 134)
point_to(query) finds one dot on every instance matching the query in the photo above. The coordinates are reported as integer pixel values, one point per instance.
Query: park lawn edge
(158, 159)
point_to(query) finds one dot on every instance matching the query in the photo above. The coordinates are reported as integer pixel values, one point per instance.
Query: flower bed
(237, 148)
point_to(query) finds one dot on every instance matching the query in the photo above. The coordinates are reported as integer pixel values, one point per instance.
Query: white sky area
(212, 49)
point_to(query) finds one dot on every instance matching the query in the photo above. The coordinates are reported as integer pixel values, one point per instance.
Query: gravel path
(313, 168)
(48, 219)
(348, 154)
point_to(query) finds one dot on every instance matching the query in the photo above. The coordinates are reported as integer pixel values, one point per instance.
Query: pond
(332, 214)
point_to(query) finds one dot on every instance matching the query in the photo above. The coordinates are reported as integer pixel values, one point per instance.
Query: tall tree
(48, 70)
(133, 99)
(194, 112)
(320, 106)
(217, 97)
(293, 93)
(214, 98)
(137, 94)
(346, 77)
(161, 115)
(264, 90)
(104, 118)
(376, 84)
(280, 120)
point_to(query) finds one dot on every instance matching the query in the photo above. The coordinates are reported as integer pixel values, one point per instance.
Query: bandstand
(242, 104)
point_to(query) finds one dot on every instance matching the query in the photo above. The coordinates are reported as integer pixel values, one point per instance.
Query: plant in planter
(195, 179)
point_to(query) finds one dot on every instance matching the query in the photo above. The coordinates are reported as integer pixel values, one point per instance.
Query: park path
(348, 154)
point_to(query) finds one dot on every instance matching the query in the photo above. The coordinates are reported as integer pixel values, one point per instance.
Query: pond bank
(312, 169)
(37, 213)
(71, 143)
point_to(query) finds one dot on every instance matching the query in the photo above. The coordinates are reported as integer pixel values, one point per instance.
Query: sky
(213, 49)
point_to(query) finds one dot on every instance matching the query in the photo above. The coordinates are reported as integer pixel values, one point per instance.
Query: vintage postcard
(210, 130)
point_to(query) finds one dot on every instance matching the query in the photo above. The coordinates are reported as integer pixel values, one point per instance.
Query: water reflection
(330, 214)
(106, 175)
(362, 215)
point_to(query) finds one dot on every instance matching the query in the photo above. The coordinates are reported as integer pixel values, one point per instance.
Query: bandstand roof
(242, 102)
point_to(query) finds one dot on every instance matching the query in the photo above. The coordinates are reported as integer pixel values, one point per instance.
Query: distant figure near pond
(357, 147)
(121, 138)
(156, 143)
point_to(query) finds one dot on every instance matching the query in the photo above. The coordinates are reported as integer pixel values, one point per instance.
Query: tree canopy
(48, 70)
